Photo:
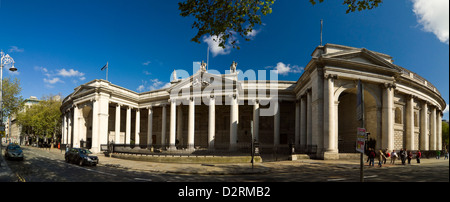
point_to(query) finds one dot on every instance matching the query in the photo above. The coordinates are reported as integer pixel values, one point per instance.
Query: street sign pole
(360, 117)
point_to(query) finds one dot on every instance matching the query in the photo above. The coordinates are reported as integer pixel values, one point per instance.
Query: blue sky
(59, 45)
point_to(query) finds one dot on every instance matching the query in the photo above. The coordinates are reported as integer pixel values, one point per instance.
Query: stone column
(308, 120)
(433, 129)
(117, 125)
(76, 126)
(234, 121)
(102, 124)
(95, 124)
(180, 124)
(423, 145)
(191, 124)
(276, 124)
(128, 126)
(211, 123)
(439, 131)
(69, 129)
(163, 126)
(297, 124)
(173, 116)
(64, 129)
(256, 120)
(388, 117)
(329, 116)
(302, 123)
(137, 137)
(150, 126)
(410, 122)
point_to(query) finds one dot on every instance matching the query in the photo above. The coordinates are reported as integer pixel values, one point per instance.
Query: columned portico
(316, 113)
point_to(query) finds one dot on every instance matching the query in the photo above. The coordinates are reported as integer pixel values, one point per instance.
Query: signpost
(360, 117)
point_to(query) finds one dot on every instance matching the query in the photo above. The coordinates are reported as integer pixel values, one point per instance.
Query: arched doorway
(348, 124)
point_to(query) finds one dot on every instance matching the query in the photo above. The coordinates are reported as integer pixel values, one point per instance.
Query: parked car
(13, 151)
(81, 157)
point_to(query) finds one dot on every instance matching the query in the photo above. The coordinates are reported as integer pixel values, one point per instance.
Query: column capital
(389, 85)
(330, 76)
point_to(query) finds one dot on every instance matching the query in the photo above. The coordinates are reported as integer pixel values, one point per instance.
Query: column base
(330, 155)
(172, 148)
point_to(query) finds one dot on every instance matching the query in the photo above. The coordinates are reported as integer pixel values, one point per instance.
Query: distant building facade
(13, 129)
(316, 114)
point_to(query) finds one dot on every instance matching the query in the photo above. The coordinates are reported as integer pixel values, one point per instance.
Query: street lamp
(4, 60)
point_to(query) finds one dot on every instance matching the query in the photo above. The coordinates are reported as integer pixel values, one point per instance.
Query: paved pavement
(335, 170)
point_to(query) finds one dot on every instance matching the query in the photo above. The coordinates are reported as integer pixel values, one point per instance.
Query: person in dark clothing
(418, 156)
(410, 155)
(403, 156)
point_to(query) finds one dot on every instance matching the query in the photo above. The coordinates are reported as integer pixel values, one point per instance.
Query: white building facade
(316, 114)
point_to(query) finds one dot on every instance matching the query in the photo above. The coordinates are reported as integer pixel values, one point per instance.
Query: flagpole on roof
(106, 70)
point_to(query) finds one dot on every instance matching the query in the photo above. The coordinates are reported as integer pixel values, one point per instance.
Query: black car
(81, 157)
(13, 151)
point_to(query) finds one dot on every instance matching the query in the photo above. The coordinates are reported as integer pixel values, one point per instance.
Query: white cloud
(42, 69)
(213, 44)
(141, 88)
(15, 49)
(63, 72)
(433, 15)
(146, 63)
(154, 84)
(53, 81)
(253, 33)
(445, 110)
(284, 69)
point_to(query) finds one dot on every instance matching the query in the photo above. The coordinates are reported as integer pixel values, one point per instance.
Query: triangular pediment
(364, 56)
(200, 80)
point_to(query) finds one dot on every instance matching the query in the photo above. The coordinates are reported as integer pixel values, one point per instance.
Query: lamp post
(4, 61)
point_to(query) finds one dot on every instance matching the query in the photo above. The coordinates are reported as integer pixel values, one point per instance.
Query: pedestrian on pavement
(368, 155)
(410, 155)
(446, 154)
(403, 156)
(372, 157)
(418, 156)
(381, 156)
(438, 153)
(387, 155)
(393, 157)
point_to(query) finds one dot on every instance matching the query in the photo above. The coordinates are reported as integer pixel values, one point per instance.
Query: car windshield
(13, 147)
(85, 151)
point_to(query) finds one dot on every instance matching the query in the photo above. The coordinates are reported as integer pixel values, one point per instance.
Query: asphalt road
(41, 165)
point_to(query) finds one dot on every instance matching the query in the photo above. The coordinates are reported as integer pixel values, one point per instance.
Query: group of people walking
(384, 155)
(404, 156)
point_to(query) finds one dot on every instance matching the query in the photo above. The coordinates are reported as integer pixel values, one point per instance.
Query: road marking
(371, 176)
(337, 179)
(142, 179)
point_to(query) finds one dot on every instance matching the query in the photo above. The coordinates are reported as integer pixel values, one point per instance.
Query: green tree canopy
(42, 119)
(228, 18)
(12, 100)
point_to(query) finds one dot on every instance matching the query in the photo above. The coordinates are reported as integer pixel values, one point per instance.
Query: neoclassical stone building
(316, 113)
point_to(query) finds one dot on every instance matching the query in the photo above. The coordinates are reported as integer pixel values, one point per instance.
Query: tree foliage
(12, 101)
(225, 18)
(445, 133)
(228, 18)
(42, 119)
(353, 5)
